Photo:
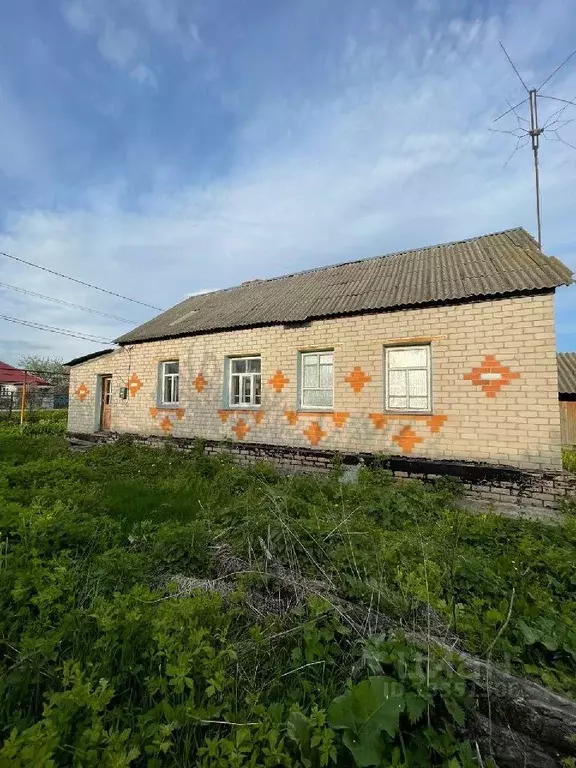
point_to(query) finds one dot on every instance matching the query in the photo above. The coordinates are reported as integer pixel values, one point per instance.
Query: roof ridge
(370, 258)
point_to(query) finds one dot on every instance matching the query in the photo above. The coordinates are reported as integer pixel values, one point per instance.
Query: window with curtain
(317, 380)
(408, 378)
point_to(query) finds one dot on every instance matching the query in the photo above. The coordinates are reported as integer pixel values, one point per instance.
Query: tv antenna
(529, 131)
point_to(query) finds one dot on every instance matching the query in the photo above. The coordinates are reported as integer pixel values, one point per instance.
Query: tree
(48, 367)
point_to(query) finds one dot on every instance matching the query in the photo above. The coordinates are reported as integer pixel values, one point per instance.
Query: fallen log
(518, 723)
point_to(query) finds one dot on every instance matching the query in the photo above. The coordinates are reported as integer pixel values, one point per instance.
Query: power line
(80, 282)
(54, 329)
(64, 303)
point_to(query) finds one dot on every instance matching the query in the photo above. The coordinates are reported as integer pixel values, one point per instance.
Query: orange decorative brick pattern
(241, 429)
(406, 439)
(340, 419)
(223, 415)
(166, 425)
(82, 392)
(434, 422)
(357, 379)
(134, 385)
(167, 422)
(278, 381)
(491, 376)
(379, 420)
(314, 433)
(199, 382)
(292, 417)
(258, 416)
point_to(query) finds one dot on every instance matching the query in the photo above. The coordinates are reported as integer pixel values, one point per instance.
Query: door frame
(102, 379)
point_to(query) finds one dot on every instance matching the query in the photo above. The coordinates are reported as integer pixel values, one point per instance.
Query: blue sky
(166, 147)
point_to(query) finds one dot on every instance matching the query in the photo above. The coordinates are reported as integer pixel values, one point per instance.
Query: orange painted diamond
(223, 415)
(278, 381)
(200, 382)
(153, 412)
(357, 379)
(406, 439)
(241, 429)
(82, 392)
(491, 376)
(314, 433)
(180, 413)
(258, 416)
(134, 385)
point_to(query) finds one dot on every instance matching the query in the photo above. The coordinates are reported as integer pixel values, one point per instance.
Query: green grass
(100, 666)
(569, 459)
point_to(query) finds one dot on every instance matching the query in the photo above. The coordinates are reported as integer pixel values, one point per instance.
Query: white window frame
(174, 378)
(302, 388)
(251, 375)
(428, 368)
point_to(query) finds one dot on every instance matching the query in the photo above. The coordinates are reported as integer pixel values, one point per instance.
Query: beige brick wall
(519, 426)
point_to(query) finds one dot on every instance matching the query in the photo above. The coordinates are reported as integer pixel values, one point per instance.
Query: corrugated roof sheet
(500, 263)
(567, 373)
(11, 375)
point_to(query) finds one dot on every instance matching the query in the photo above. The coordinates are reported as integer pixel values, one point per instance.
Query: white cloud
(399, 155)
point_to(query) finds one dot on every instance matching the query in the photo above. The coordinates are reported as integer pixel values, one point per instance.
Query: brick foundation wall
(512, 419)
(534, 494)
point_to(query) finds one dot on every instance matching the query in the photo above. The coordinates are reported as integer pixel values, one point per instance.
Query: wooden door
(106, 404)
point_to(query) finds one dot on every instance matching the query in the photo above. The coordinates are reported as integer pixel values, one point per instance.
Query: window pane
(397, 402)
(246, 389)
(310, 376)
(313, 398)
(175, 388)
(254, 365)
(419, 403)
(326, 375)
(418, 383)
(397, 383)
(171, 367)
(239, 365)
(326, 358)
(235, 390)
(167, 390)
(310, 359)
(408, 357)
(257, 390)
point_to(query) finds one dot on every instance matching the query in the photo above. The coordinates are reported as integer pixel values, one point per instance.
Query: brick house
(445, 352)
(567, 397)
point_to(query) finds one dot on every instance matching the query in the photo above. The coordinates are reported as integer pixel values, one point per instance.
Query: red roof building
(15, 377)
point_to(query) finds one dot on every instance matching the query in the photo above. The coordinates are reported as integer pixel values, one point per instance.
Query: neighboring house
(12, 382)
(441, 352)
(567, 396)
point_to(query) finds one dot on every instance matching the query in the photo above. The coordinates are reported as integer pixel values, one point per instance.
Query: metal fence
(27, 396)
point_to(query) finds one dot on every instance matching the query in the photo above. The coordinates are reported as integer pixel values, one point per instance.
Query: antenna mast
(530, 130)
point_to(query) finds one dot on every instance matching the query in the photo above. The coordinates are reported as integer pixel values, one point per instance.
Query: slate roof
(567, 373)
(11, 375)
(502, 263)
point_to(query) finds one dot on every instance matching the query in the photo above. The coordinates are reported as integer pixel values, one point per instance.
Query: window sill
(408, 413)
(168, 406)
(316, 410)
(241, 408)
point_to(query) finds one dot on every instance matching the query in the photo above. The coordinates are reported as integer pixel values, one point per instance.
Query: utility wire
(80, 282)
(64, 303)
(53, 329)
